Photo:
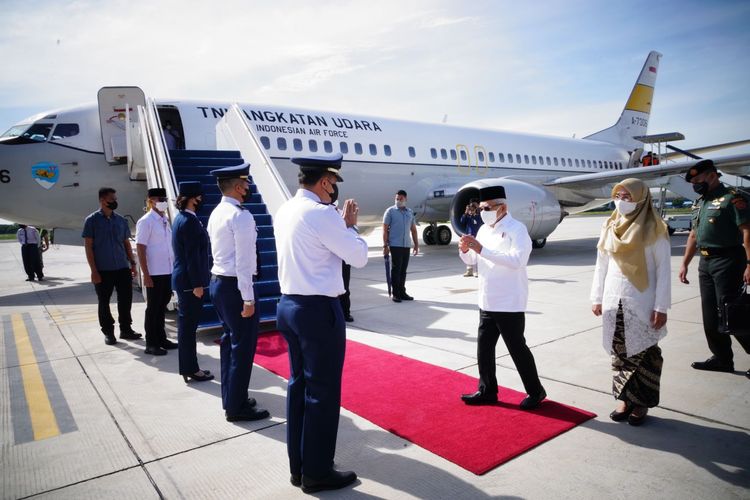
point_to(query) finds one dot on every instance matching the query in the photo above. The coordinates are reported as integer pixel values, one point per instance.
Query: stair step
(203, 153)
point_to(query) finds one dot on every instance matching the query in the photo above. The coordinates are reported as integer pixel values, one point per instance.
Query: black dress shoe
(619, 416)
(248, 415)
(168, 344)
(406, 297)
(296, 480)
(747, 374)
(250, 403)
(479, 398)
(532, 402)
(396, 299)
(198, 378)
(156, 351)
(333, 481)
(714, 364)
(131, 335)
(348, 318)
(110, 339)
(636, 420)
(29, 279)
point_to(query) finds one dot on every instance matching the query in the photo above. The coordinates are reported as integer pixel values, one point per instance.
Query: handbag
(735, 313)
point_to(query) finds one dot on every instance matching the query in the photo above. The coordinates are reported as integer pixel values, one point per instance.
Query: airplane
(52, 164)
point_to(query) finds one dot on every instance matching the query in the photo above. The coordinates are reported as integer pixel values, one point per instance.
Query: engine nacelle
(533, 205)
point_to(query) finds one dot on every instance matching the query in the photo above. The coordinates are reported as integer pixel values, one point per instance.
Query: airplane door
(115, 104)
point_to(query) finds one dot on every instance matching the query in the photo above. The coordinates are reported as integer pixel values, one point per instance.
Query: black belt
(232, 278)
(720, 251)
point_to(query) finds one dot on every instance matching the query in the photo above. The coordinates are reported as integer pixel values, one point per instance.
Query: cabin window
(480, 156)
(501, 157)
(510, 158)
(327, 147)
(313, 145)
(492, 157)
(453, 154)
(358, 148)
(577, 162)
(533, 160)
(297, 143)
(373, 149)
(412, 152)
(549, 161)
(433, 153)
(65, 130)
(554, 160)
(387, 150)
(600, 164)
(443, 154)
(343, 147)
(281, 144)
(518, 158)
(463, 155)
(265, 141)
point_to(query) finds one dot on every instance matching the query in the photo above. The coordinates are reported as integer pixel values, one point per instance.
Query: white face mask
(488, 216)
(625, 207)
(161, 206)
(400, 204)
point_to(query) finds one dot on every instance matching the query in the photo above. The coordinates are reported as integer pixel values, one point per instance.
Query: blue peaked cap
(330, 163)
(235, 172)
(190, 189)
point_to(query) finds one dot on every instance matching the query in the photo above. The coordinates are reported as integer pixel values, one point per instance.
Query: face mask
(488, 216)
(112, 205)
(198, 205)
(400, 204)
(701, 188)
(246, 195)
(161, 206)
(625, 207)
(335, 194)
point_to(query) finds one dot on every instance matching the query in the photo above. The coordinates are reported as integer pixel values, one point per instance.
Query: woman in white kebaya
(631, 291)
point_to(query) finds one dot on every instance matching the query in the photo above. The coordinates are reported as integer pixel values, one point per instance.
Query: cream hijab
(625, 237)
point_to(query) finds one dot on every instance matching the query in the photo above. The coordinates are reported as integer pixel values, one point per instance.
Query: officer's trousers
(32, 264)
(719, 277)
(189, 314)
(314, 328)
(511, 326)
(237, 343)
(157, 298)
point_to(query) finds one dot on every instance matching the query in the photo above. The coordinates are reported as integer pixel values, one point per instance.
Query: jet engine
(533, 205)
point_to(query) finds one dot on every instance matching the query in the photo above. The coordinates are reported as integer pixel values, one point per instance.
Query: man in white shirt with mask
(153, 238)
(501, 251)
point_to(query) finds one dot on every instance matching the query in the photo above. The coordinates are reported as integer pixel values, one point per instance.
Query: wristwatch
(248, 302)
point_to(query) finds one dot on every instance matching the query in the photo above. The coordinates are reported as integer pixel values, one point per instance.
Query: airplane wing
(705, 149)
(735, 165)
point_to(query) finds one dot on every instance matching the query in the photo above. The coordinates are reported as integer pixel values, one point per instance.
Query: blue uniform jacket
(191, 252)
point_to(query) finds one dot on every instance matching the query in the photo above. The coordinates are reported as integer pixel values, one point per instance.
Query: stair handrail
(163, 173)
(268, 179)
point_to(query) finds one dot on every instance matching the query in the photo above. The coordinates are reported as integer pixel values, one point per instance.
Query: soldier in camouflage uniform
(721, 226)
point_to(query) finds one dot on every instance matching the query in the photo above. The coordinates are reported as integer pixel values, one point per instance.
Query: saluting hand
(351, 209)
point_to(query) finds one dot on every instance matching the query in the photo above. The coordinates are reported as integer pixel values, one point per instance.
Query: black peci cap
(492, 193)
(157, 193)
(330, 163)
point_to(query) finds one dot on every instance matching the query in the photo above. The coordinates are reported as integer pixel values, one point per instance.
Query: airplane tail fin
(634, 118)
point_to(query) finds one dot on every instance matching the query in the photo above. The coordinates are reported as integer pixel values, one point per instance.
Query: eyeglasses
(487, 208)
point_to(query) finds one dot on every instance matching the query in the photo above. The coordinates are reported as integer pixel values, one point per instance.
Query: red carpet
(420, 402)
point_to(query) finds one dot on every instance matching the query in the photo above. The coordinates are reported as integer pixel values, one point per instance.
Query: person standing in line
(721, 233)
(631, 291)
(398, 224)
(190, 276)
(471, 222)
(153, 240)
(233, 235)
(106, 237)
(43, 246)
(501, 251)
(28, 237)
(312, 240)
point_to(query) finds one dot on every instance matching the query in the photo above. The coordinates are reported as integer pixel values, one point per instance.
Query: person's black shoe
(406, 297)
(348, 318)
(248, 415)
(747, 374)
(637, 417)
(155, 351)
(396, 299)
(29, 279)
(479, 398)
(198, 378)
(532, 402)
(333, 481)
(296, 480)
(713, 364)
(110, 339)
(40, 278)
(130, 335)
(619, 416)
(168, 344)
(250, 403)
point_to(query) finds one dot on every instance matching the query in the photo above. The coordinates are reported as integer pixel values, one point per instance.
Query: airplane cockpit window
(358, 148)
(313, 145)
(343, 147)
(37, 132)
(63, 130)
(433, 153)
(373, 149)
(297, 144)
(14, 131)
(281, 144)
(266, 142)
(412, 152)
(387, 150)
(327, 147)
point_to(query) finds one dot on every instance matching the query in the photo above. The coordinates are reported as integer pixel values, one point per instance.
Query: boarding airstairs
(149, 157)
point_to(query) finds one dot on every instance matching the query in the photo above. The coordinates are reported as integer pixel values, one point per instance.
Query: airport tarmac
(127, 426)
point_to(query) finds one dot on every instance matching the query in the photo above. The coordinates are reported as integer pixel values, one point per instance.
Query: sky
(553, 67)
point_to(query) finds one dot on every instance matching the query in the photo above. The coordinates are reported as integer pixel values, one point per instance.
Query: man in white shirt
(153, 239)
(28, 237)
(312, 239)
(501, 251)
(233, 234)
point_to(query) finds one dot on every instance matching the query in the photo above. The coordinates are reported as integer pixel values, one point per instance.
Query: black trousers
(121, 281)
(32, 264)
(188, 318)
(511, 326)
(718, 277)
(346, 303)
(157, 299)
(399, 263)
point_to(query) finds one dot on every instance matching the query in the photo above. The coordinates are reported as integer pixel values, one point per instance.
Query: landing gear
(538, 243)
(434, 234)
(444, 235)
(428, 235)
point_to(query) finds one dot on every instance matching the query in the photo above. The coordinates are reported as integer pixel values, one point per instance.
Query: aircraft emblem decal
(45, 174)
